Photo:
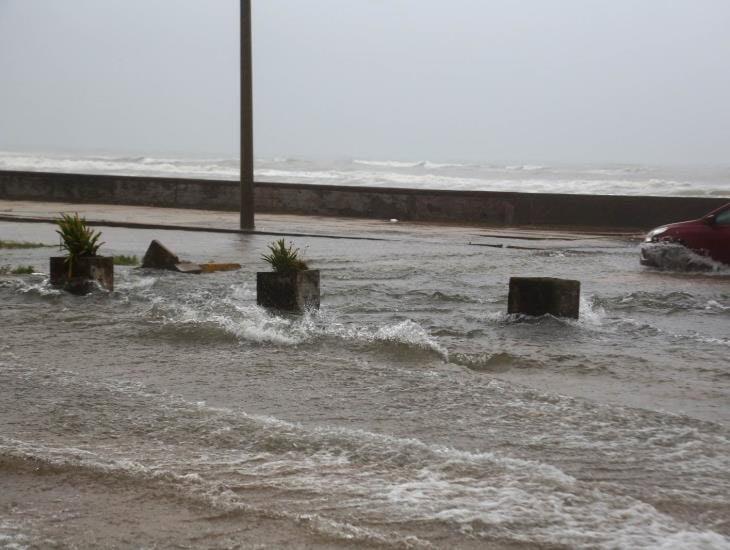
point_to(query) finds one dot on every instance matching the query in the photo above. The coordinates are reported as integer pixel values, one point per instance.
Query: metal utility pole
(247, 199)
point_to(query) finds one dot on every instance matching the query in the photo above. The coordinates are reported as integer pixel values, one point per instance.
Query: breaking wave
(391, 163)
(423, 174)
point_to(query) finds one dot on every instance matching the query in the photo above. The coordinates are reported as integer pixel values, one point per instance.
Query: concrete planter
(542, 295)
(291, 291)
(87, 271)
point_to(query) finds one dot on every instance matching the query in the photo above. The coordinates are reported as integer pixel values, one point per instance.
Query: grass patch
(11, 245)
(126, 260)
(19, 270)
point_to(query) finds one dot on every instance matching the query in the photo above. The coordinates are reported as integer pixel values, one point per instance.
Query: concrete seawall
(469, 207)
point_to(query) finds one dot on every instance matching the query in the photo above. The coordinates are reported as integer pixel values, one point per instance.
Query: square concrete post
(540, 295)
(247, 198)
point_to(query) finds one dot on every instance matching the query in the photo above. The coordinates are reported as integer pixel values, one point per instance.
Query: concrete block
(158, 256)
(290, 291)
(86, 273)
(544, 295)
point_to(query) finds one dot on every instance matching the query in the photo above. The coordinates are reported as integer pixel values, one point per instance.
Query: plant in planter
(291, 286)
(82, 267)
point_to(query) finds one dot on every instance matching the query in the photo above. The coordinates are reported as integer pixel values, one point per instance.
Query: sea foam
(418, 174)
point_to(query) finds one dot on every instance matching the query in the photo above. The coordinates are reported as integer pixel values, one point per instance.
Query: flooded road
(410, 412)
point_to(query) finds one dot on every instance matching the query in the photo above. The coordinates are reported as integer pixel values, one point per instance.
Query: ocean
(592, 179)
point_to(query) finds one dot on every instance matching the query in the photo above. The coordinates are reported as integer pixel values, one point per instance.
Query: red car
(708, 237)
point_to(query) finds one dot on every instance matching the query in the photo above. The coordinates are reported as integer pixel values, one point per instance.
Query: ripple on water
(223, 456)
(495, 362)
(664, 303)
(12, 535)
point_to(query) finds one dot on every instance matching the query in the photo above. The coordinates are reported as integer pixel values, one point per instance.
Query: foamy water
(673, 256)
(409, 412)
(713, 181)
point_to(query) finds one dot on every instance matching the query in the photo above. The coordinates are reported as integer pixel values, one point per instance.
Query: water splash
(675, 257)
(234, 314)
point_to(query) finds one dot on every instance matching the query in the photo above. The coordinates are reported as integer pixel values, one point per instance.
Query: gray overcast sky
(486, 80)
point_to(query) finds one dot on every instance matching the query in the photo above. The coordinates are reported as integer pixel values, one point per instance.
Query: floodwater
(410, 412)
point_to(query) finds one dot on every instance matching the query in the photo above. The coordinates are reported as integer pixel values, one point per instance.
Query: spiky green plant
(77, 239)
(284, 259)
